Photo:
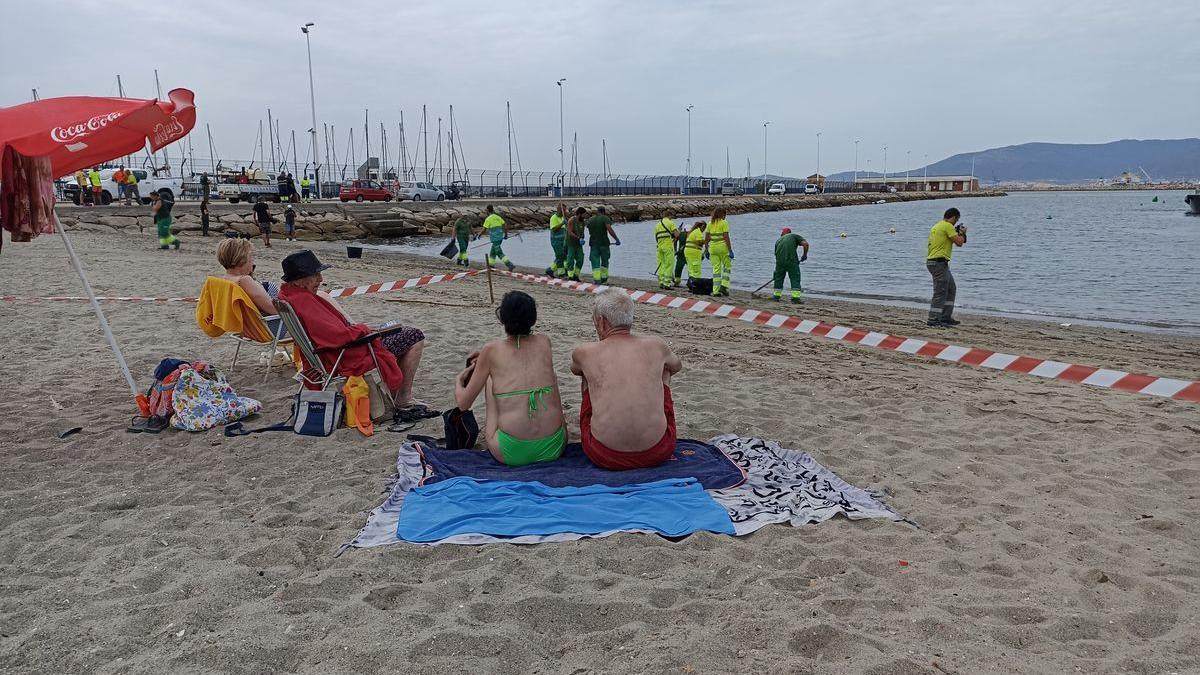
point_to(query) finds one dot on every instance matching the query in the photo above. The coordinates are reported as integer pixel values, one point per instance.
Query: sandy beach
(1058, 522)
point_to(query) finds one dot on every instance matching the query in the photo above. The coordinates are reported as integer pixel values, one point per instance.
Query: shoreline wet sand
(1057, 521)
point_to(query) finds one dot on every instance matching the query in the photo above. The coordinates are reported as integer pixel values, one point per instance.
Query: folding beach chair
(226, 309)
(312, 370)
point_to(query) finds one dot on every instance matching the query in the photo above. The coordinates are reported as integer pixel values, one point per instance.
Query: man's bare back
(624, 375)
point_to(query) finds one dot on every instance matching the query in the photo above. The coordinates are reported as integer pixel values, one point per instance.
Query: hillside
(1164, 160)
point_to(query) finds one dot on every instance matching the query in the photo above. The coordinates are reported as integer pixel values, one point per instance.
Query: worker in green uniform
(161, 204)
(720, 251)
(558, 241)
(497, 231)
(599, 229)
(693, 250)
(665, 235)
(574, 263)
(786, 263)
(462, 237)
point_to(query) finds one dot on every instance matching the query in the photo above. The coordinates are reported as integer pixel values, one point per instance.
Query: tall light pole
(561, 165)
(688, 174)
(925, 178)
(312, 100)
(765, 125)
(855, 183)
(906, 167)
(818, 155)
(885, 168)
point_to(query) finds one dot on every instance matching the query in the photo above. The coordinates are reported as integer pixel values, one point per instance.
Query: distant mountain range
(1163, 160)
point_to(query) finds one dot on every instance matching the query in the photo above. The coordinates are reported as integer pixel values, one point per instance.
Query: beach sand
(1058, 522)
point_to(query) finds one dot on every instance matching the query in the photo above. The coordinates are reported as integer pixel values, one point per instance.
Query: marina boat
(1193, 200)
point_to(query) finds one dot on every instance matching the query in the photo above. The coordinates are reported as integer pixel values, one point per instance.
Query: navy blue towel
(708, 465)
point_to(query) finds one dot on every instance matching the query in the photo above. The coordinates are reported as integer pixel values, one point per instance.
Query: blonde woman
(237, 257)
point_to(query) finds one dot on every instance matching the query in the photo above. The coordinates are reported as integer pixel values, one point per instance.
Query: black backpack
(460, 428)
(700, 286)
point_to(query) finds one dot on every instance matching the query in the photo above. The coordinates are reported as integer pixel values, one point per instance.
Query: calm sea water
(1114, 258)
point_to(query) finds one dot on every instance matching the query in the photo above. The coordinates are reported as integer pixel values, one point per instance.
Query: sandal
(415, 414)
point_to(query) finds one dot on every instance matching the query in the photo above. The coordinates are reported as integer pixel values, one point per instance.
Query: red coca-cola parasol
(81, 131)
(73, 132)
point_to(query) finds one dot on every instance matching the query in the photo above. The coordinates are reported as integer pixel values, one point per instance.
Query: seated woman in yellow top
(524, 412)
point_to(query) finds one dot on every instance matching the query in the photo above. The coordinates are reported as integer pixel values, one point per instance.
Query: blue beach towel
(692, 459)
(463, 505)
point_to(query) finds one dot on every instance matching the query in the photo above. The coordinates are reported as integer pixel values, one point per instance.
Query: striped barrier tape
(1180, 390)
(107, 298)
(382, 287)
(401, 284)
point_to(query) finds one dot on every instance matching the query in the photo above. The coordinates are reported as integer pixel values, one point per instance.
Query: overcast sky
(931, 77)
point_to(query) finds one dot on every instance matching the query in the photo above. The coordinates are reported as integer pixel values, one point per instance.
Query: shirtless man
(627, 419)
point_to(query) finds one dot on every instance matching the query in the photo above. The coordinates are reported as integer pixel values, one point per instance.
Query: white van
(731, 189)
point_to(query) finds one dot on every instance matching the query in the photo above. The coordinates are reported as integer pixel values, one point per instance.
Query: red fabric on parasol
(76, 132)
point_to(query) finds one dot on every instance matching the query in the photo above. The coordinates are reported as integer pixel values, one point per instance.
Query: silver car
(419, 192)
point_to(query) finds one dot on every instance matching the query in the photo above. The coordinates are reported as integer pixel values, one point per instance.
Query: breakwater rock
(332, 221)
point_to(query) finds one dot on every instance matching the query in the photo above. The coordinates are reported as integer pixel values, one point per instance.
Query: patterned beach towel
(782, 486)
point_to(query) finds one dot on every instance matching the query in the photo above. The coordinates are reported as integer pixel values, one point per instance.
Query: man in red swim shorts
(627, 419)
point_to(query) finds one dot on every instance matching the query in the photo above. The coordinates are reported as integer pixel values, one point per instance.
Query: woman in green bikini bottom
(516, 374)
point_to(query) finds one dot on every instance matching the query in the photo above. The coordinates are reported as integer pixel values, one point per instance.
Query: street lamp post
(687, 179)
(925, 178)
(885, 168)
(561, 165)
(907, 164)
(312, 100)
(855, 183)
(765, 124)
(818, 155)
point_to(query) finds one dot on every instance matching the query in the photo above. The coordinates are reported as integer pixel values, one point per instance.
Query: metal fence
(497, 183)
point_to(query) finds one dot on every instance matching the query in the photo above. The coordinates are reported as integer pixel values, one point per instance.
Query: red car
(364, 191)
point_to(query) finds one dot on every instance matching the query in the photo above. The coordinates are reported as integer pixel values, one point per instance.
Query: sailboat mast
(508, 117)
(425, 134)
(271, 132)
(403, 150)
(367, 138)
(211, 155)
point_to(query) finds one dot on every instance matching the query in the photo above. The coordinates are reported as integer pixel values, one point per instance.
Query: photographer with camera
(943, 237)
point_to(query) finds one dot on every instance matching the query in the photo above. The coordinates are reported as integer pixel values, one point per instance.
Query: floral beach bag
(203, 400)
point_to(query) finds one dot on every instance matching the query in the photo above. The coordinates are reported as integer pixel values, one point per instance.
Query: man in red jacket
(398, 352)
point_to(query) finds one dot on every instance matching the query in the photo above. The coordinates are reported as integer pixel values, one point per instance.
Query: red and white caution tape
(106, 298)
(400, 284)
(1181, 390)
(382, 287)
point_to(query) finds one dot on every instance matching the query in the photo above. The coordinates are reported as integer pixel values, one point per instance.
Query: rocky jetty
(332, 221)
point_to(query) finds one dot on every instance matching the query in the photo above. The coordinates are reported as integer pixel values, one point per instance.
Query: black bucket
(354, 251)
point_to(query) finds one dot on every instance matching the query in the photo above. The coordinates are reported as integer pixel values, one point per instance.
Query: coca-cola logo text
(70, 132)
(164, 132)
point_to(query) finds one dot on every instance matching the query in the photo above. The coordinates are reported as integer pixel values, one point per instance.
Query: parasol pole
(108, 335)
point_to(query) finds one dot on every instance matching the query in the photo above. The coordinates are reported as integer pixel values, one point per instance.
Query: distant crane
(1145, 174)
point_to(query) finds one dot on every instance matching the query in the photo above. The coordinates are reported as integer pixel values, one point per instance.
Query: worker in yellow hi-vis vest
(693, 250)
(720, 251)
(558, 242)
(497, 232)
(665, 234)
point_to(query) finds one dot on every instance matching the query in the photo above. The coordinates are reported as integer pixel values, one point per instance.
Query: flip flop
(415, 414)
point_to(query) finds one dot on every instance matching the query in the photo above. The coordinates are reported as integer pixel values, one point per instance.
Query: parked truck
(109, 192)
